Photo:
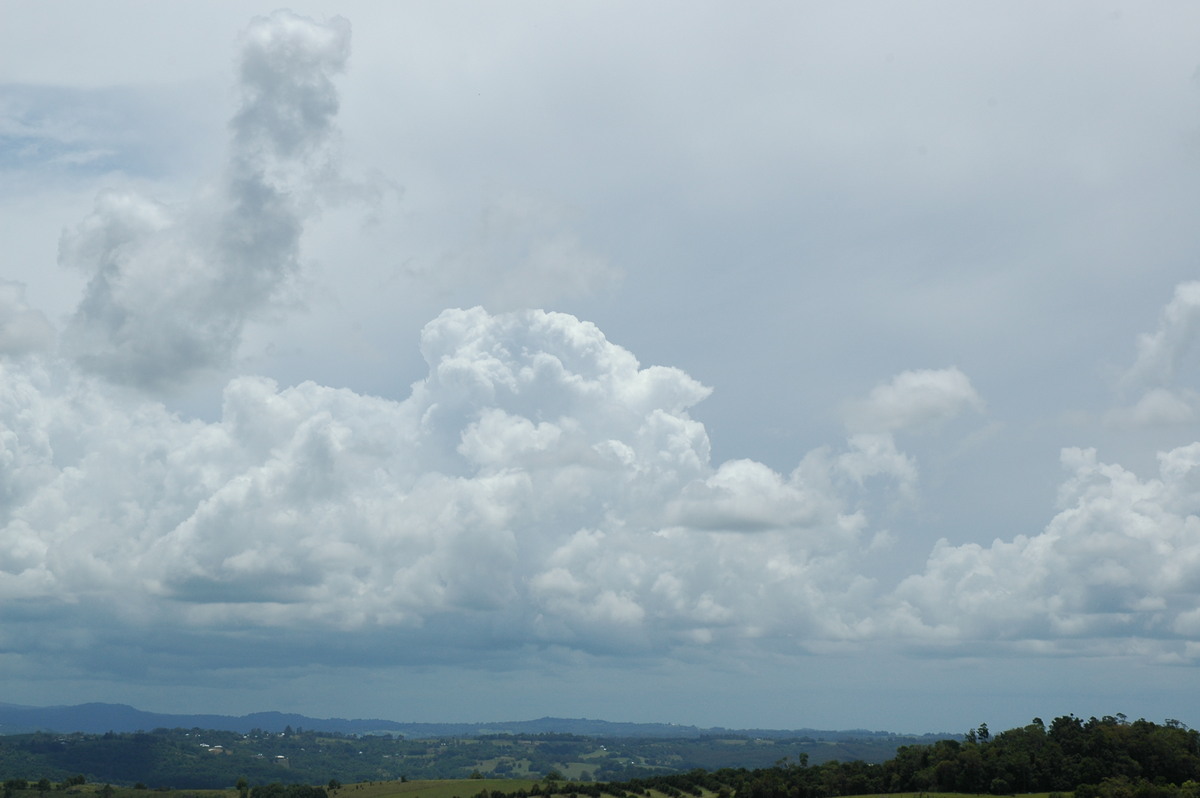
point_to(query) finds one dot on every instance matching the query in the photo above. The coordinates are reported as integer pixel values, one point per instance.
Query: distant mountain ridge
(97, 718)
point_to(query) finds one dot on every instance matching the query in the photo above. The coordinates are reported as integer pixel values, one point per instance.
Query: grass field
(442, 788)
(951, 795)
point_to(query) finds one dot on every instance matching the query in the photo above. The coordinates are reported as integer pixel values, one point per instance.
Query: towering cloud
(538, 485)
(171, 286)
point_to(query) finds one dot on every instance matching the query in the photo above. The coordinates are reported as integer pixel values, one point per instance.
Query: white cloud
(1120, 561)
(538, 485)
(914, 399)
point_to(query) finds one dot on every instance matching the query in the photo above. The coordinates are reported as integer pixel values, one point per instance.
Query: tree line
(1106, 757)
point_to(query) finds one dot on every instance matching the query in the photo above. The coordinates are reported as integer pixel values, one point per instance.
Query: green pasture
(99, 789)
(440, 788)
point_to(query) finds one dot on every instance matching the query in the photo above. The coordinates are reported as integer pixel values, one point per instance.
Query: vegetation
(1098, 758)
(1108, 757)
(205, 759)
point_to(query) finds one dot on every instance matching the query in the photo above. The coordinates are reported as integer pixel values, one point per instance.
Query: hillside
(97, 718)
(212, 759)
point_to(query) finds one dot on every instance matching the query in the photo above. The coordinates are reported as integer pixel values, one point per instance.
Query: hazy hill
(98, 718)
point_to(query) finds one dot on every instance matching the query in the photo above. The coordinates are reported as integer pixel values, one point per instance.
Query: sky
(781, 365)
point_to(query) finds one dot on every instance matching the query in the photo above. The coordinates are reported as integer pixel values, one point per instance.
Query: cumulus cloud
(1120, 561)
(172, 286)
(914, 399)
(538, 486)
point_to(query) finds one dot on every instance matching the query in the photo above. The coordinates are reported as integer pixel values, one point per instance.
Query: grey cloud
(288, 98)
(522, 253)
(22, 329)
(1158, 407)
(172, 286)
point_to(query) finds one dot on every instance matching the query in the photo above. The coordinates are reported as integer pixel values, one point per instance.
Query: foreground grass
(468, 788)
(953, 795)
(440, 788)
(96, 790)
